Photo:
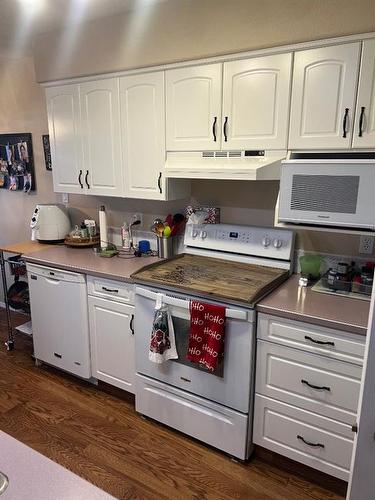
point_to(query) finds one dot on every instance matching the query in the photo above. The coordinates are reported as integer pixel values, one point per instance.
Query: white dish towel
(162, 343)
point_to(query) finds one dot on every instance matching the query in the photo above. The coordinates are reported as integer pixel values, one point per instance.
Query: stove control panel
(247, 240)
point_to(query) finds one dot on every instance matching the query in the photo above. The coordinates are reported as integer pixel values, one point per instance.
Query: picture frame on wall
(17, 171)
(47, 152)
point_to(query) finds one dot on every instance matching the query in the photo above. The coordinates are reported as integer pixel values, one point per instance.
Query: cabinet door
(194, 108)
(101, 137)
(323, 97)
(143, 134)
(64, 132)
(364, 127)
(256, 94)
(112, 342)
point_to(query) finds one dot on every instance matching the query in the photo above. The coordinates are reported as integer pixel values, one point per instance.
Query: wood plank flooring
(96, 433)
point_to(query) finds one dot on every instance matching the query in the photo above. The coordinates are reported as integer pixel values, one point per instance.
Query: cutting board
(221, 279)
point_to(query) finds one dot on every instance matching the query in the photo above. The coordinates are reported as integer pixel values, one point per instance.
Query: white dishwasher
(59, 316)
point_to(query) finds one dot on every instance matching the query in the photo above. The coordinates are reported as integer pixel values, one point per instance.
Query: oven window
(181, 332)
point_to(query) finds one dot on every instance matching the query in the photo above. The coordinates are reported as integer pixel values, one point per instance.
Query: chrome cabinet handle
(320, 342)
(361, 117)
(344, 122)
(159, 183)
(132, 324)
(80, 179)
(314, 445)
(214, 128)
(225, 129)
(316, 387)
(86, 176)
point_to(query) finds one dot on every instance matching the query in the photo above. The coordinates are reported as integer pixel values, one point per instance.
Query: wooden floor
(98, 436)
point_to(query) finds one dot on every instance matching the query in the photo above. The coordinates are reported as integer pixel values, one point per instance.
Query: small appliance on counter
(50, 223)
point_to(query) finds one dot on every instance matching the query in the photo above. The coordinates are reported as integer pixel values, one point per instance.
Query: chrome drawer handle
(317, 387)
(314, 445)
(320, 342)
(109, 290)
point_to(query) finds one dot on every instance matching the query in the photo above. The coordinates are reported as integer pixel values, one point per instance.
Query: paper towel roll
(103, 227)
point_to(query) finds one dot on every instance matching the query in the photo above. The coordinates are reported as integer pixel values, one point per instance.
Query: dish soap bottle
(125, 236)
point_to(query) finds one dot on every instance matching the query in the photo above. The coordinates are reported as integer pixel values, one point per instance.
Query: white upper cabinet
(364, 126)
(64, 129)
(256, 95)
(100, 112)
(143, 135)
(323, 97)
(194, 108)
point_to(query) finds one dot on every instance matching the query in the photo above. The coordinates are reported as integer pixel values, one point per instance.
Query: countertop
(83, 260)
(303, 304)
(31, 475)
(24, 247)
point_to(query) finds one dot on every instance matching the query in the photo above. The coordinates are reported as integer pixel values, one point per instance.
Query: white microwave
(328, 189)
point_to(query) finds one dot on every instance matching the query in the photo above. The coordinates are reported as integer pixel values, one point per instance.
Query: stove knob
(203, 234)
(277, 243)
(194, 233)
(266, 242)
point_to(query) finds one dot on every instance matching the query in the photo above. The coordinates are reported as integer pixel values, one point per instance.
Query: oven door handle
(184, 304)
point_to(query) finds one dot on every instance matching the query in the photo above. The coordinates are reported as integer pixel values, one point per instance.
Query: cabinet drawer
(332, 343)
(309, 381)
(209, 422)
(311, 439)
(116, 290)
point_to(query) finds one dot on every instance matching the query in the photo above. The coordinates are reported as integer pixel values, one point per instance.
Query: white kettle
(50, 223)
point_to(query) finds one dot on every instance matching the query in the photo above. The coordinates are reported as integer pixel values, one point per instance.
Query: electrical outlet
(137, 216)
(366, 245)
(65, 198)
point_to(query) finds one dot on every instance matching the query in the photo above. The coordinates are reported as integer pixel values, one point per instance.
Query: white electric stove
(226, 264)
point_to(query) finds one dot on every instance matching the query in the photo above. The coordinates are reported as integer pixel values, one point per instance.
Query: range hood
(235, 165)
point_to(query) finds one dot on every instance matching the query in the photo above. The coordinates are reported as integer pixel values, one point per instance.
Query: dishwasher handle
(185, 303)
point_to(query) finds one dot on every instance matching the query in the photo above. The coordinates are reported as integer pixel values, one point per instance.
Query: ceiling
(21, 20)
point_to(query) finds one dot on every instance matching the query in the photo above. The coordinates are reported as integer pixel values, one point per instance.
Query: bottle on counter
(84, 230)
(125, 236)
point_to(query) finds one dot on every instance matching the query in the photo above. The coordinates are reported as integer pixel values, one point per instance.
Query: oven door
(231, 384)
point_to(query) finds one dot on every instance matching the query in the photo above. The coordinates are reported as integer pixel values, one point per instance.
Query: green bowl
(310, 265)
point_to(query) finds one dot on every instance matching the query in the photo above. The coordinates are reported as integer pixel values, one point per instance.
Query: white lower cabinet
(306, 437)
(307, 389)
(112, 342)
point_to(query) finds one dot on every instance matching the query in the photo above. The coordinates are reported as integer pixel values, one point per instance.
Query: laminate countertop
(84, 260)
(303, 304)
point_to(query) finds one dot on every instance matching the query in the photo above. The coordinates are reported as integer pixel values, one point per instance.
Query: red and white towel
(207, 330)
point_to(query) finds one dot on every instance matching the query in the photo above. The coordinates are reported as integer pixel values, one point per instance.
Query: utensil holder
(165, 247)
